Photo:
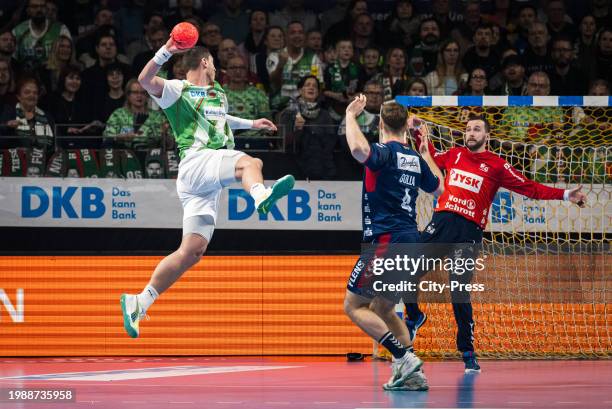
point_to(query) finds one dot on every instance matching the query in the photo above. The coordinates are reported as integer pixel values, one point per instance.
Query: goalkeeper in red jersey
(473, 176)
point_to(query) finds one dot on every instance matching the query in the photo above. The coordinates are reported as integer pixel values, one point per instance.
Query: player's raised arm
(424, 149)
(357, 142)
(148, 77)
(418, 128)
(514, 180)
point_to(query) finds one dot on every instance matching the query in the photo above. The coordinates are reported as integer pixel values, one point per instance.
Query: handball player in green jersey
(196, 110)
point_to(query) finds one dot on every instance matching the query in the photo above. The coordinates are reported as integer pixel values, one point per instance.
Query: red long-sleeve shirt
(472, 179)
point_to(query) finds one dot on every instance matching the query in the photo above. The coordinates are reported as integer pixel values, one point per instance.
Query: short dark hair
(303, 80)
(67, 71)
(393, 116)
(292, 22)
(478, 117)
(193, 57)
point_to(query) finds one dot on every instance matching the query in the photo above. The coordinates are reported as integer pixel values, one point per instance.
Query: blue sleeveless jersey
(393, 175)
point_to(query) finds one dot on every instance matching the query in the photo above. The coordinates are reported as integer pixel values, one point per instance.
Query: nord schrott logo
(36, 201)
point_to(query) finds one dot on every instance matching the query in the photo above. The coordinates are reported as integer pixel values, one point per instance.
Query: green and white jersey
(197, 115)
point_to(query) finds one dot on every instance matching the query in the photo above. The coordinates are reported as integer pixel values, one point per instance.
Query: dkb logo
(241, 206)
(35, 202)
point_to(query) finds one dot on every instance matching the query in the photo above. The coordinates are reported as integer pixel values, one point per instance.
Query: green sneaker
(131, 314)
(281, 188)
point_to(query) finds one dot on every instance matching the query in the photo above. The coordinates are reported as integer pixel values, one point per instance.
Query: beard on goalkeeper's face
(475, 143)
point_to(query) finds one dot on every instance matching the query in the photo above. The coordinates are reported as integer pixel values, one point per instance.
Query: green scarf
(109, 163)
(130, 165)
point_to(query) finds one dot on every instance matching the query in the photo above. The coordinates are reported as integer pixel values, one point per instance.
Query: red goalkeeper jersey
(472, 179)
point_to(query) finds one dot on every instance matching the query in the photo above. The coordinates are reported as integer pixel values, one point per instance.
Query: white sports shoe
(402, 369)
(132, 313)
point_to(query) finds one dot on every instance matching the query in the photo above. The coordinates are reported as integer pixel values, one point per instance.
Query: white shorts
(200, 180)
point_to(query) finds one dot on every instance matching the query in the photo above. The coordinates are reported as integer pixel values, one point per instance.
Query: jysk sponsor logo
(60, 201)
(298, 207)
(409, 163)
(465, 180)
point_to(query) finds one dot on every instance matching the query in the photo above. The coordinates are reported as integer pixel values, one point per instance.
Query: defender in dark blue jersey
(393, 175)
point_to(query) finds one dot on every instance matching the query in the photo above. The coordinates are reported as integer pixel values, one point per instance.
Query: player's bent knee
(352, 302)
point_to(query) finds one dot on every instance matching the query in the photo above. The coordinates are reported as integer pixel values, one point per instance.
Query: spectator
(36, 36)
(211, 38)
(314, 42)
(183, 11)
(274, 42)
(531, 124)
(513, 81)
(363, 34)
(314, 131)
(566, 78)
(152, 25)
(481, 54)
(401, 24)
(500, 16)
(244, 100)
(25, 124)
(157, 38)
(602, 69)
(342, 80)
(233, 20)
(8, 45)
(134, 126)
(602, 13)
(465, 31)
(584, 46)
(86, 41)
(51, 11)
(371, 62)
(334, 15)
(368, 119)
(7, 84)
(227, 50)
(287, 67)
(446, 18)
(394, 75)
(449, 76)
(557, 24)
(178, 70)
(416, 87)
(422, 59)
(66, 105)
(94, 77)
(537, 56)
(62, 55)
(115, 97)
(294, 11)
(130, 20)
(339, 30)
(527, 16)
(255, 39)
(477, 82)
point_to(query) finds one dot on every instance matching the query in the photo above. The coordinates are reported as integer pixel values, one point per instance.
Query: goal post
(561, 141)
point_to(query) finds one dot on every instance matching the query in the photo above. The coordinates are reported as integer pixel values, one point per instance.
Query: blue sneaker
(413, 326)
(471, 362)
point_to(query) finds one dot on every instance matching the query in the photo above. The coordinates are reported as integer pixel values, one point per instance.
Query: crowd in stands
(71, 104)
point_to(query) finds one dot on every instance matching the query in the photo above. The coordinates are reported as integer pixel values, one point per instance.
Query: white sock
(147, 297)
(258, 190)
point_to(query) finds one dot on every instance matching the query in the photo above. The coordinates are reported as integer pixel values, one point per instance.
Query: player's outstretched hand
(171, 46)
(263, 123)
(424, 147)
(414, 122)
(577, 196)
(356, 106)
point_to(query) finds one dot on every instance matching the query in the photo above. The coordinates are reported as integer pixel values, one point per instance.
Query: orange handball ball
(185, 35)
